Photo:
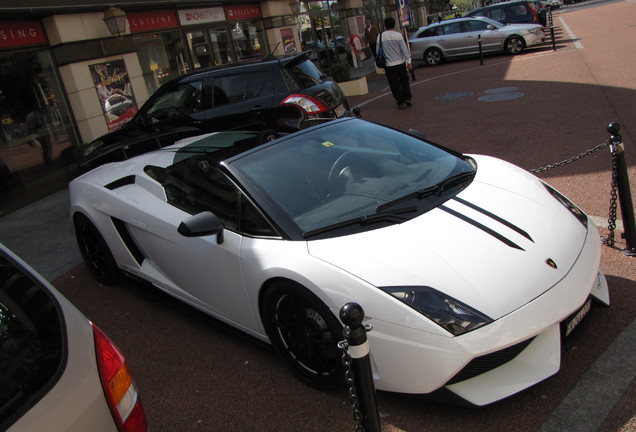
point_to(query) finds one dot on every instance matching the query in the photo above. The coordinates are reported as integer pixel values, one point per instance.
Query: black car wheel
(95, 251)
(433, 57)
(304, 332)
(514, 45)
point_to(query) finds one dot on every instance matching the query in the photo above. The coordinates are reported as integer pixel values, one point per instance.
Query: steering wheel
(339, 166)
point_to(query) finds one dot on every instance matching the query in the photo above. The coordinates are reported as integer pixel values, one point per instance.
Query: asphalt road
(535, 109)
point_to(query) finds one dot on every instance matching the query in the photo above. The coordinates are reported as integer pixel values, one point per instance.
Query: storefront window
(209, 48)
(222, 52)
(161, 56)
(37, 141)
(248, 39)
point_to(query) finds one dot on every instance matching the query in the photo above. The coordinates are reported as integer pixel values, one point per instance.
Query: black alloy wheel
(304, 332)
(95, 251)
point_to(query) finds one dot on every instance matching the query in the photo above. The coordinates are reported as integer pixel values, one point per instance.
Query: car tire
(304, 332)
(433, 57)
(95, 252)
(514, 45)
(267, 135)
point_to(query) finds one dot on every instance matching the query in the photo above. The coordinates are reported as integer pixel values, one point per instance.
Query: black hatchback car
(270, 95)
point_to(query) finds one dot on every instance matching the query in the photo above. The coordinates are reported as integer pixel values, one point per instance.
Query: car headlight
(577, 212)
(449, 313)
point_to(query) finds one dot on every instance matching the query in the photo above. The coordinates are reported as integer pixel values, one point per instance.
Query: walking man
(398, 61)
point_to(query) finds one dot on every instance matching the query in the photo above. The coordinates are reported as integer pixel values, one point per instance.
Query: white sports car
(470, 270)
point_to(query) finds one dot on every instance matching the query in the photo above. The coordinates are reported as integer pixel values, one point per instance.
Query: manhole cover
(501, 96)
(502, 90)
(451, 96)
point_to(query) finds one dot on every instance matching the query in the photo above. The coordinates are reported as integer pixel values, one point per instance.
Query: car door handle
(257, 109)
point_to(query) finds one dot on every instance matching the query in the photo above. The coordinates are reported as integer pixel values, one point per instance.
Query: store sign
(21, 34)
(154, 20)
(242, 12)
(201, 16)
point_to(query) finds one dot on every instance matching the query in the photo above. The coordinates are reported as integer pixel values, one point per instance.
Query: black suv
(511, 12)
(271, 95)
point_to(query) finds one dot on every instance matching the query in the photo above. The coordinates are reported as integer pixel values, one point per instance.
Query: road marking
(571, 34)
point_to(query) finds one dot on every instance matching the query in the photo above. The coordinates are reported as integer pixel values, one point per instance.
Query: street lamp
(115, 20)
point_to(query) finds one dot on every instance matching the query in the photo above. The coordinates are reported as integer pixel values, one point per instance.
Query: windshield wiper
(437, 189)
(364, 220)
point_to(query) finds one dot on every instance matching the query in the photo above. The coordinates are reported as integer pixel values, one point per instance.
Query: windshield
(354, 172)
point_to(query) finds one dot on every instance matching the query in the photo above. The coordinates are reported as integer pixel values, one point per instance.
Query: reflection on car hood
(487, 247)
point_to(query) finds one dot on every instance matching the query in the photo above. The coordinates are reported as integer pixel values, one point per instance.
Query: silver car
(58, 371)
(459, 37)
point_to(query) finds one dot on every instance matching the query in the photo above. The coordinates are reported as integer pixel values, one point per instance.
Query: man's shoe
(408, 102)
(402, 106)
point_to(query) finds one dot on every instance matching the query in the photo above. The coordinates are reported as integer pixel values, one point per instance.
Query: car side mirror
(417, 134)
(202, 224)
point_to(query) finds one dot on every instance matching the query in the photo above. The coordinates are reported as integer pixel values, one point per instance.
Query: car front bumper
(418, 362)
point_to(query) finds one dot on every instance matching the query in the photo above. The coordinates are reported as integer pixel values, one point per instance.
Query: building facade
(68, 74)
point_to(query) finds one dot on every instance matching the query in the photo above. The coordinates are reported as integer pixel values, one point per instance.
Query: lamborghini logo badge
(551, 263)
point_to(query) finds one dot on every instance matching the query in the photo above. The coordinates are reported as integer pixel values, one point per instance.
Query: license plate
(575, 319)
(340, 110)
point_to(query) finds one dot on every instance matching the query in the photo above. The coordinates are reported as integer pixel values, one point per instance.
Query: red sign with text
(242, 12)
(155, 20)
(21, 34)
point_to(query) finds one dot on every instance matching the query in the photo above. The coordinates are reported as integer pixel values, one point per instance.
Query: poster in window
(114, 91)
(289, 42)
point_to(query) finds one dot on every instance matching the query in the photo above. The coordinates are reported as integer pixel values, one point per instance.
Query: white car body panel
(409, 353)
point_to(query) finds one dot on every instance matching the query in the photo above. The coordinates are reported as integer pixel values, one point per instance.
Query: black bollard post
(481, 52)
(351, 315)
(552, 30)
(624, 192)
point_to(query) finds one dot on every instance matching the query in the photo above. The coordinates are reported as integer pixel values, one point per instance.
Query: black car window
(234, 87)
(498, 14)
(31, 341)
(306, 74)
(195, 186)
(451, 28)
(475, 25)
(519, 10)
(260, 83)
(430, 32)
(175, 101)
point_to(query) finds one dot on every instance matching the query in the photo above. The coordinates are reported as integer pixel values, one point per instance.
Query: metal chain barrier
(611, 220)
(353, 397)
(572, 159)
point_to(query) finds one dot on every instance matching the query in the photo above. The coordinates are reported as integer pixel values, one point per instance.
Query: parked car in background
(270, 95)
(58, 371)
(318, 50)
(510, 12)
(459, 37)
(470, 270)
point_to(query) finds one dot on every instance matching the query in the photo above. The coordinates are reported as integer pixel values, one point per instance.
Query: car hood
(490, 247)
